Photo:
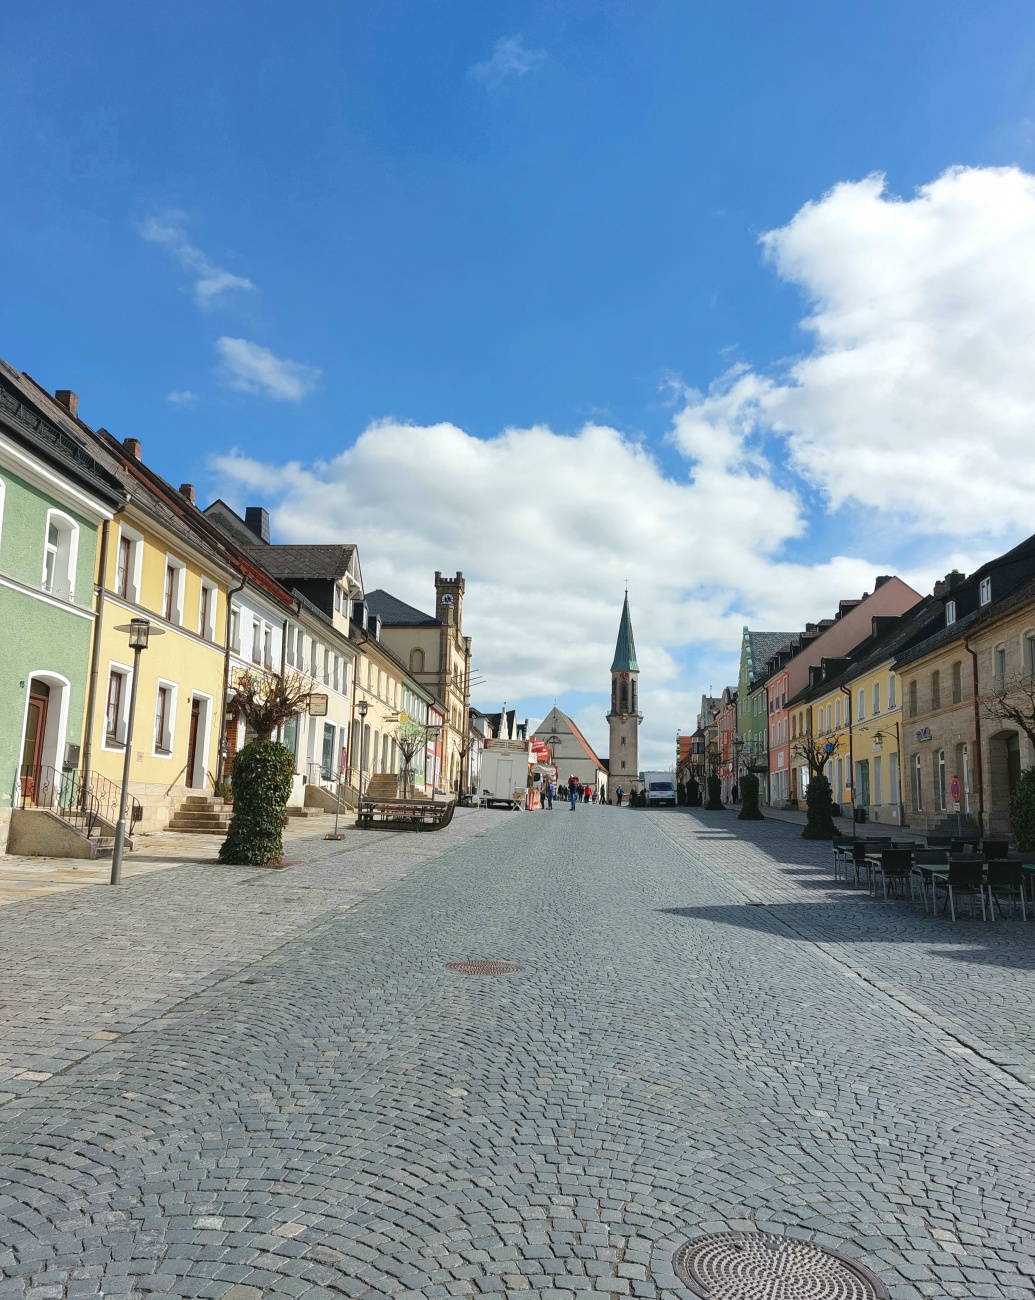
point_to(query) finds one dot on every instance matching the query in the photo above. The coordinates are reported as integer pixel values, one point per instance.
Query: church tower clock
(624, 717)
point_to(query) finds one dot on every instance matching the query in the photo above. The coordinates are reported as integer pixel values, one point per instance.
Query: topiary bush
(749, 810)
(693, 793)
(1022, 811)
(261, 776)
(819, 823)
(715, 803)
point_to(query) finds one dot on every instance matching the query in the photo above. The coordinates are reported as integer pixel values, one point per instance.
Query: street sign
(954, 789)
(318, 706)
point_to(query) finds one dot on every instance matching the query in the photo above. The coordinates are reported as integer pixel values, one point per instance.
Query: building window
(256, 641)
(267, 646)
(936, 690)
(862, 705)
(1029, 653)
(114, 714)
(60, 548)
(235, 629)
(164, 719)
(940, 768)
(207, 612)
(986, 591)
(172, 603)
(918, 784)
(289, 646)
(892, 696)
(999, 667)
(837, 713)
(876, 698)
(123, 567)
(957, 682)
(829, 724)
(950, 613)
(912, 699)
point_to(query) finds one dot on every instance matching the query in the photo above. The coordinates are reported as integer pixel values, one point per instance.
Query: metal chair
(896, 865)
(992, 849)
(1005, 878)
(842, 847)
(928, 858)
(860, 848)
(966, 876)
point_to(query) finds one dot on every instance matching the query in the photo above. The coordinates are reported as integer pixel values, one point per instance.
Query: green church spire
(625, 650)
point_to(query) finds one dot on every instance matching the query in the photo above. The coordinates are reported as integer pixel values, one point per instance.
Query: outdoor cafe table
(929, 870)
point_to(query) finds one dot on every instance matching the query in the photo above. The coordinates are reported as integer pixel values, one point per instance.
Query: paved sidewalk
(83, 966)
(23, 877)
(676, 1055)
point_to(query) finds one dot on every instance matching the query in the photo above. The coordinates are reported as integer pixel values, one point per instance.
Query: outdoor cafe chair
(994, 849)
(966, 875)
(1005, 878)
(896, 865)
(842, 846)
(860, 848)
(928, 858)
(939, 841)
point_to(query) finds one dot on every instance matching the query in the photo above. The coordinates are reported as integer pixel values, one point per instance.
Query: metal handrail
(87, 804)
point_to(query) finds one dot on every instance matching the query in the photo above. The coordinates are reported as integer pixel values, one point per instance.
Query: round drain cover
(763, 1266)
(483, 967)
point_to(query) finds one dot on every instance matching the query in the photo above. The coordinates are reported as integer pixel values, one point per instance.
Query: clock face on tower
(624, 677)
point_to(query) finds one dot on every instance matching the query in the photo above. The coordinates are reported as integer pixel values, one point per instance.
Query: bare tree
(412, 738)
(813, 752)
(1014, 702)
(268, 700)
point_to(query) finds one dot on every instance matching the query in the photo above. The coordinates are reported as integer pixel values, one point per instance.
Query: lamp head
(362, 707)
(139, 631)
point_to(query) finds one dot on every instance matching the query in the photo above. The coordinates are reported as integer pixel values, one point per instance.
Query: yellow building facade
(152, 565)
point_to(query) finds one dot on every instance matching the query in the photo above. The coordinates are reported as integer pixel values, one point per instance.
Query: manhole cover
(762, 1266)
(483, 967)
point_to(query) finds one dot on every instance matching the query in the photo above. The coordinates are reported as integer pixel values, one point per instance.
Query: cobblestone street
(227, 1083)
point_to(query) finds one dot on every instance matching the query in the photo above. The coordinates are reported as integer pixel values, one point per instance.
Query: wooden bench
(404, 814)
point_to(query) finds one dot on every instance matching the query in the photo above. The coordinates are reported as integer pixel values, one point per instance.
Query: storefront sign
(923, 733)
(318, 706)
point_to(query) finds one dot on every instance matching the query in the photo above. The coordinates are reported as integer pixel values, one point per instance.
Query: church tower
(624, 718)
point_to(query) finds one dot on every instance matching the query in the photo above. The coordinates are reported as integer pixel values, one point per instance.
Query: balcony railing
(90, 803)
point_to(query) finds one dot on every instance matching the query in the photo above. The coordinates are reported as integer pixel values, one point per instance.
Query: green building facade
(54, 499)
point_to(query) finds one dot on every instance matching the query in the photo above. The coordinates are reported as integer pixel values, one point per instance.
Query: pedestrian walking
(574, 792)
(618, 796)
(548, 786)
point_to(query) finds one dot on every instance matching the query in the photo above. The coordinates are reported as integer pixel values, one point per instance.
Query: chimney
(187, 490)
(881, 580)
(66, 398)
(132, 446)
(258, 520)
(944, 585)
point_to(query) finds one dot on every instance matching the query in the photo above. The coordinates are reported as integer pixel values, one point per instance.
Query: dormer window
(950, 612)
(986, 591)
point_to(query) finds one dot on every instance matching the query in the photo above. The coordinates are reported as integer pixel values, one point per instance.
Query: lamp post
(738, 750)
(361, 709)
(139, 630)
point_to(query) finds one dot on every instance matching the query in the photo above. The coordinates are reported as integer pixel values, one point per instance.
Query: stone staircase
(201, 814)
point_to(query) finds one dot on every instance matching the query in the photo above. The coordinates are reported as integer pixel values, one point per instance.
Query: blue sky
(248, 232)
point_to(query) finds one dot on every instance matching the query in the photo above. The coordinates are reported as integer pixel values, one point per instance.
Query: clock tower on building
(624, 717)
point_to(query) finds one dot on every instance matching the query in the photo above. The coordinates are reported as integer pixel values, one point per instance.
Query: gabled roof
(625, 649)
(761, 646)
(542, 730)
(394, 612)
(304, 563)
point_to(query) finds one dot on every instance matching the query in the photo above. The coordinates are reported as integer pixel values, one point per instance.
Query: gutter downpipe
(95, 664)
(847, 693)
(977, 740)
(221, 750)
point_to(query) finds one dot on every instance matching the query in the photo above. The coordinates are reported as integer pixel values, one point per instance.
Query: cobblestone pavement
(345, 1116)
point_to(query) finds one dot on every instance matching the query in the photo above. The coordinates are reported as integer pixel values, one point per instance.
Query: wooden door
(192, 741)
(32, 750)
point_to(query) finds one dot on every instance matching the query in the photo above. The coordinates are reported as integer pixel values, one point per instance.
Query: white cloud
(252, 368)
(917, 395)
(181, 397)
(210, 281)
(509, 58)
(546, 529)
(915, 399)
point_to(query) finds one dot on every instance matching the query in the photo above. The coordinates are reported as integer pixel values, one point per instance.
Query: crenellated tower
(624, 717)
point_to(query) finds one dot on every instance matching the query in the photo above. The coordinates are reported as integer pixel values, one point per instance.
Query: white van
(660, 788)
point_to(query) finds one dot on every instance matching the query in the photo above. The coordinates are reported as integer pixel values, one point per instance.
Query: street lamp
(361, 709)
(139, 630)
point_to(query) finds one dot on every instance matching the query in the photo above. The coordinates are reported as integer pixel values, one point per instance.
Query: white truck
(660, 788)
(503, 781)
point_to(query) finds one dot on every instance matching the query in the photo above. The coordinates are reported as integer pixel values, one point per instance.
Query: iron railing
(89, 803)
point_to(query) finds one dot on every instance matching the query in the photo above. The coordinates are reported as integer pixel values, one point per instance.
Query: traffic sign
(954, 789)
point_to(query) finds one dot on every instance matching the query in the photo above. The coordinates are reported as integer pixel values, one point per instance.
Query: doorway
(862, 795)
(192, 741)
(32, 747)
